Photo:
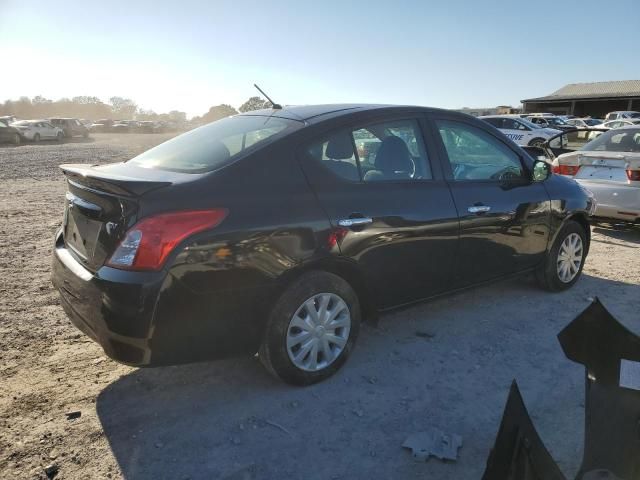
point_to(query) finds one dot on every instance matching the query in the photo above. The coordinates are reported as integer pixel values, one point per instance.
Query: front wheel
(537, 142)
(565, 261)
(311, 330)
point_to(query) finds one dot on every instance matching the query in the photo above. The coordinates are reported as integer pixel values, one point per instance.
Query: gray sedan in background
(608, 166)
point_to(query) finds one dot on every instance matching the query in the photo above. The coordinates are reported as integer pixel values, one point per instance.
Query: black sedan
(278, 231)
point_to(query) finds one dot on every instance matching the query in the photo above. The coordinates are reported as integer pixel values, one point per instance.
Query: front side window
(214, 145)
(476, 155)
(386, 151)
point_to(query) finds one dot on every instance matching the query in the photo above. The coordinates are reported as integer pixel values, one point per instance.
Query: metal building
(588, 99)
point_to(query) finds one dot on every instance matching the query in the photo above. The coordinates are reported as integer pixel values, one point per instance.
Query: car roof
(316, 113)
(514, 116)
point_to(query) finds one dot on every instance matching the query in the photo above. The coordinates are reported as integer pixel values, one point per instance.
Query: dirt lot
(230, 419)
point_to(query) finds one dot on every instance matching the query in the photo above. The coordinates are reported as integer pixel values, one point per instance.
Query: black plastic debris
(611, 356)
(433, 442)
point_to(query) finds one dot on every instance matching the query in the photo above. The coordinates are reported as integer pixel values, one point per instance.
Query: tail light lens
(149, 242)
(633, 175)
(570, 170)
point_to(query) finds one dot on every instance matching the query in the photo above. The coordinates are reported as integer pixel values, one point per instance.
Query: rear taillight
(566, 169)
(149, 242)
(633, 175)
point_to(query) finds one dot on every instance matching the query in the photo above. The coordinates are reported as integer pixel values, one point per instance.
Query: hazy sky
(190, 55)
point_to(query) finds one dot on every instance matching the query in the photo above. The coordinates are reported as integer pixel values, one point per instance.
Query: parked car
(266, 232)
(148, 126)
(101, 126)
(584, 123)
(71, 127)
(621, 114)
(9, 134)
(556, 123)
(520, 130)
(8, 119)
(36, 130)
(608, 166)
(125, 126)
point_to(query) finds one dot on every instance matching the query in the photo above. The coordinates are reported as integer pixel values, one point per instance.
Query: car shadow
(79, 140)
(624, 232)
(230, 419)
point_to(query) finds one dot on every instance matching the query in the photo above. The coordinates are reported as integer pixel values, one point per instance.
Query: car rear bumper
(614, 200)
(153, 318)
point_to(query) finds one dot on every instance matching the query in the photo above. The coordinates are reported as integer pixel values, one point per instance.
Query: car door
(516, 131)
(504, 216)
(388, 204)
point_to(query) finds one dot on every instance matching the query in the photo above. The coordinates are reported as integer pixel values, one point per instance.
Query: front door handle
(354, 222)
(479, 209)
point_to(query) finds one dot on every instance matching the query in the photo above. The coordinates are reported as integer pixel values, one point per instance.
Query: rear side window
(476, 155)
(215, 145)
(385, 151)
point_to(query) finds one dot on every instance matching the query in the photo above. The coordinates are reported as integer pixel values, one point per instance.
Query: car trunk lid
(101, 203)
(603, 166)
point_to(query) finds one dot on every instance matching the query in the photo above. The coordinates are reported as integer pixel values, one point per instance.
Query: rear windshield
(215, 145)
(625, 140)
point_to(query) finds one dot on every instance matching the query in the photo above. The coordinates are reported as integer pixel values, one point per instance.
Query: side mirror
(541, 170)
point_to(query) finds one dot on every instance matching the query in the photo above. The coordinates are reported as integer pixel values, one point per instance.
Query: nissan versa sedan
(278, 231)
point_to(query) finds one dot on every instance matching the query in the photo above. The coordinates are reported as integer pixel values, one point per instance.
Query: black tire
(537, 142)
(16, 139)
(273, 351)
(36, 138)
(547, 274)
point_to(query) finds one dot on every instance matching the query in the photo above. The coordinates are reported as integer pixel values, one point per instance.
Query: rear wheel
(537, 142)
(311, 330)
(565, 261)
(15, 139)
(36, 137)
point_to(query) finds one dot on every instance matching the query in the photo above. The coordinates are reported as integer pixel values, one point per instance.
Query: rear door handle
(479, 209)
(353, 222)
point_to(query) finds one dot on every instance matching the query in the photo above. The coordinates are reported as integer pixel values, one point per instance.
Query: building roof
(573, 91)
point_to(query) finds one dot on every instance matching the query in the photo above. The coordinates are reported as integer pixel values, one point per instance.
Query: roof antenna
(275, 106)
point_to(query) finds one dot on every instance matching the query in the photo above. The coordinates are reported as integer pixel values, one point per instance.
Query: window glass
(214, 145)
(2, 125)
(387, 151)
(511, 124)
(496, 122)
(336, 153)
(392, 150)
(627, 140)
(476, 155)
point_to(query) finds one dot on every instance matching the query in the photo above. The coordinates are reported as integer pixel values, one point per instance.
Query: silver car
(608, 166)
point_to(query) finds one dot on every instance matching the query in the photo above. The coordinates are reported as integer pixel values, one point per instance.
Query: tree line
(118, 108)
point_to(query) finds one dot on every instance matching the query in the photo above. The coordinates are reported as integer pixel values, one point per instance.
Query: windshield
(592, 122)
(215, 145)
(634, 115)
(529, 124)
(555, 121)
(626, 140)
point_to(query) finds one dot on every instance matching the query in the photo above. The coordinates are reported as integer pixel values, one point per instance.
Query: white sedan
(521, 130)
(36, 130)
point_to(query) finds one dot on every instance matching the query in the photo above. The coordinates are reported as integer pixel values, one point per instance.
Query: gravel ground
(447, 364)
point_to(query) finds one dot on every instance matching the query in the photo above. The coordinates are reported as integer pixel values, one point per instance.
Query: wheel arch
(344, 268)
(580, 218)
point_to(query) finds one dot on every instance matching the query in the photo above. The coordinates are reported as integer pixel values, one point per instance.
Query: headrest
(393, 156)
(339, 147)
